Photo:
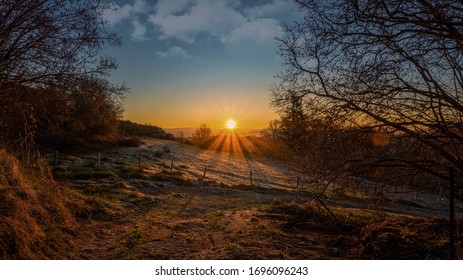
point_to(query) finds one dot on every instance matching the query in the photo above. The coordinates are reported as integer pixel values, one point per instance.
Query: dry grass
(398, 238)
(404, 238)
(36, 217)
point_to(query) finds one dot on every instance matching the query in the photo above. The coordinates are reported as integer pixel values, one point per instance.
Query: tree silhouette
(48, 41)
(53, 76)
(202, 133)
(394, 67)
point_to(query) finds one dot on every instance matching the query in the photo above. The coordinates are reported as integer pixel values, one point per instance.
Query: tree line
(54, 86)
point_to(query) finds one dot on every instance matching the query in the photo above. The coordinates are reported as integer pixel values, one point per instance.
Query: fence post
(250, 176)
(205, 170)
(440, 194)
(139, 163)
(452, 213)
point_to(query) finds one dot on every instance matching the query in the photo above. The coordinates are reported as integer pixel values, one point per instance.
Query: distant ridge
(188, 131)
(181, 131)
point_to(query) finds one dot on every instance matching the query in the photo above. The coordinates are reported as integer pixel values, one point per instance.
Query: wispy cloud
(185, 22)
(168, 7)
(260, 30)
(139, 31)
(117, 14)
(174, 52)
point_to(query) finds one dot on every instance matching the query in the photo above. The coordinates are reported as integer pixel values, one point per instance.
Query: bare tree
(202, 133)
(394, 67)
(48, 41)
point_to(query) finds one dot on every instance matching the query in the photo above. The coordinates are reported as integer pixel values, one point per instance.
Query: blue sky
(189, 62)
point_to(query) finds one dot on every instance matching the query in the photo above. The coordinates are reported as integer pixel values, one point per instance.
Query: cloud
(254, 39)
(189, 19)
(139, 31)
(139, 6)
(168, 7)
(260, 31)
(174, 52)
(226, 21)
(272, 9)
(117, 14)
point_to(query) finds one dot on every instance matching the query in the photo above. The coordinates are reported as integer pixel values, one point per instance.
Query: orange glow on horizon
(245, 108)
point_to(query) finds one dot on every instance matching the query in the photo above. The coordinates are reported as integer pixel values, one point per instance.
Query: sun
(230, 124)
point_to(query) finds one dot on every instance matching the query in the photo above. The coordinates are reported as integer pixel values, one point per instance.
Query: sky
(189, 62)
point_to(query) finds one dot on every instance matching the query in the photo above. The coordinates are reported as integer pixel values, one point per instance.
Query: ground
(157, 202)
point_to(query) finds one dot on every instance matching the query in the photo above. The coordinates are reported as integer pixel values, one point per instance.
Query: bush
(59, 117)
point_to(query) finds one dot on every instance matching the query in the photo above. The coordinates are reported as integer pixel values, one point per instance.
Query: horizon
(188, 131)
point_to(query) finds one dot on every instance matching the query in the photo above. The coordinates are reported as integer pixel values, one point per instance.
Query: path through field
(164, 213)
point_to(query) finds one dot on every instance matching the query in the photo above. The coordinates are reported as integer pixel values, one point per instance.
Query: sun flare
(230, 124)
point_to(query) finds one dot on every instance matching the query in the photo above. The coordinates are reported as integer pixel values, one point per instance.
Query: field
(154, 202)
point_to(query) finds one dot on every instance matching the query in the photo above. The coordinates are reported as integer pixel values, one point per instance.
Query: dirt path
(203, 221)
(161, 213)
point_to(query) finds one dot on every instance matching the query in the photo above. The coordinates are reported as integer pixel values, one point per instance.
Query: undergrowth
(36, 215)
(372, 238)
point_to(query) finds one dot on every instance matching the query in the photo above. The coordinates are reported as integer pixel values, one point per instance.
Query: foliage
(134, 129)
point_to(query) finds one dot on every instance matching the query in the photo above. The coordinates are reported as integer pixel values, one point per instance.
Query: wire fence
(240, 170)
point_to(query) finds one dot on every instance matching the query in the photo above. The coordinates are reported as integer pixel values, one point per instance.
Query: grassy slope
(37, 216)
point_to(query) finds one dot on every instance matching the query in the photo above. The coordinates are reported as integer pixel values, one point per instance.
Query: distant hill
(183, 131)
(135, 129)
(188, 131)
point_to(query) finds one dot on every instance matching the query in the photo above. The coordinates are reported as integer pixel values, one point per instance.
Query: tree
(48, 41)
(394, 67)
(202, 133)
(53, 75)
(293, 125)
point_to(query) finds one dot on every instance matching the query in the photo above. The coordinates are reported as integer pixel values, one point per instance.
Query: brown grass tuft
(36, 218)
(404, 238)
